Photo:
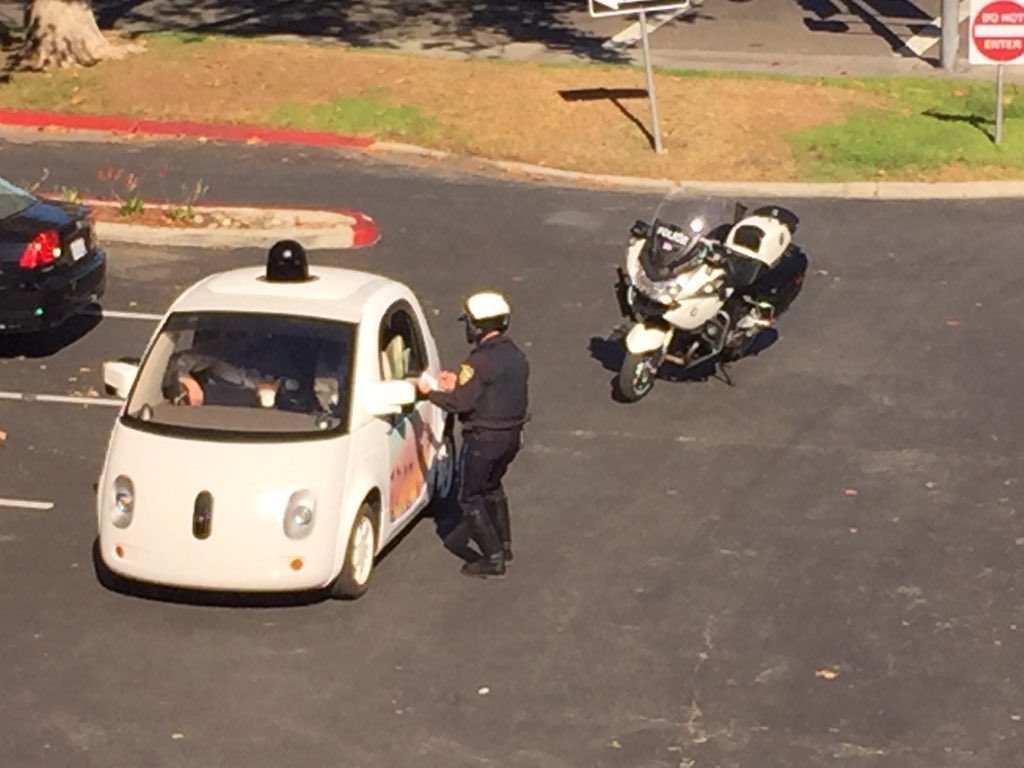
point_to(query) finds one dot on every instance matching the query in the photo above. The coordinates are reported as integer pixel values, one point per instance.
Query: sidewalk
(557, 35)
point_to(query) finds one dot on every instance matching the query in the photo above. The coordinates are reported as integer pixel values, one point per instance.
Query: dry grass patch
(713, 128)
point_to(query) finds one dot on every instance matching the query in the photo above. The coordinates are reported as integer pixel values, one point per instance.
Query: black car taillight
(42, 250)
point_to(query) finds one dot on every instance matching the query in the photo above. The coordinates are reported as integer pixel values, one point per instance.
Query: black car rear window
(13, 200)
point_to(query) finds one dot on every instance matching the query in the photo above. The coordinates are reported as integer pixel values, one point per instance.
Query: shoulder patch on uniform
(465, 374)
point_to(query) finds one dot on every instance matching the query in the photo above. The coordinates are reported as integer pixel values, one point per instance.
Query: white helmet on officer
(484, 312)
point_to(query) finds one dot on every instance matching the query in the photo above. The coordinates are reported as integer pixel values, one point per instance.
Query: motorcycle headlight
(123, 508)
(300, 515)
(668, 293)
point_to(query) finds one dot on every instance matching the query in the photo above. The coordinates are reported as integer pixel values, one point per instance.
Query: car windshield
(13, 200)
(246, 374)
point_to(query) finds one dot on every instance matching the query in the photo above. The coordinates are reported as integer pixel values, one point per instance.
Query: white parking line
(25, 504)
(631, 34)
(932, 34)
(26, 397)
(124, 315)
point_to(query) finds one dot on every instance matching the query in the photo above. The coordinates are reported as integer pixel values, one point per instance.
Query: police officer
(489, 393)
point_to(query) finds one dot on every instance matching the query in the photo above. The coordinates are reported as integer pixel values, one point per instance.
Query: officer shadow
(610, 351)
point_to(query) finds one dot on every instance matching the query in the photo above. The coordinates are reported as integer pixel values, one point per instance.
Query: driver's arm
(193, 362)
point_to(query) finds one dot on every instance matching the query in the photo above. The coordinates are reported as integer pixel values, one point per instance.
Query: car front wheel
(354, 579)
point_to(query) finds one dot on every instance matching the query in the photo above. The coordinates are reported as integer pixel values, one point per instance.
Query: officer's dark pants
(484, 459)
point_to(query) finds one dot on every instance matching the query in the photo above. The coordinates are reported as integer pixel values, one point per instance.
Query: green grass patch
(48, 91)
(174, 39)
(367, 114)
(919, 126)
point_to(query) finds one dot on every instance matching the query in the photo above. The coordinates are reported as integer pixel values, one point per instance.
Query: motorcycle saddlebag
(780, 285)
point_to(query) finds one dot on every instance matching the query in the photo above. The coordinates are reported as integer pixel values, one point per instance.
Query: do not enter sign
(997, 32)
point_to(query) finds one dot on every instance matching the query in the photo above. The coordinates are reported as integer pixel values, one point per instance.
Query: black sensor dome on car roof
(286, 263)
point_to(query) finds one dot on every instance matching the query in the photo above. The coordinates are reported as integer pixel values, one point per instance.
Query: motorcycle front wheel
(637, 375)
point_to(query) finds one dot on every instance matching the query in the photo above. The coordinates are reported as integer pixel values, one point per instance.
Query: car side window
(402, 353)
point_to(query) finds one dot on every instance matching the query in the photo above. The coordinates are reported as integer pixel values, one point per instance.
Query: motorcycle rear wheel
(637, 375)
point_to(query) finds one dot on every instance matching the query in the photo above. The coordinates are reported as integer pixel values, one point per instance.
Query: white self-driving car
(271, 439)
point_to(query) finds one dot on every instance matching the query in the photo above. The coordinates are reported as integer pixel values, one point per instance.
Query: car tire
(360, 553)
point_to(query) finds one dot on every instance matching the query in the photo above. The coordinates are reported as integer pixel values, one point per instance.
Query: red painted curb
(212, 131)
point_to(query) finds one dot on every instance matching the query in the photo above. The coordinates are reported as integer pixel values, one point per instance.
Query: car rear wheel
(354, 579)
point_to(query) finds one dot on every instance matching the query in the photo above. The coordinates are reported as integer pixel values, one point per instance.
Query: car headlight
(124, 502)
(300, 515)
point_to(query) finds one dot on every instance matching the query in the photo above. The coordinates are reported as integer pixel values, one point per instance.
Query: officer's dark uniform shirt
(491, 392)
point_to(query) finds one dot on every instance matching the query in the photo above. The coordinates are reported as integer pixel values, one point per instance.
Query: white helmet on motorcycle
(484, 312)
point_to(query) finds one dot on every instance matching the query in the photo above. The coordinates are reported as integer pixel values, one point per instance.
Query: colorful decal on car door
(411, 453)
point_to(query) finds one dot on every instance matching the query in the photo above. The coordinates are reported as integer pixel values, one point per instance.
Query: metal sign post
(950, 28)
(656, 132)
(999, 104)
(641, 7)
(997, 37)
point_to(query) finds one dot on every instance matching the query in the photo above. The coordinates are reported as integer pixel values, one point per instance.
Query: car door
(410, 438)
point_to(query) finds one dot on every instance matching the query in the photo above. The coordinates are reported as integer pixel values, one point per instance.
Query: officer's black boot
(492, 563)
(497, 509)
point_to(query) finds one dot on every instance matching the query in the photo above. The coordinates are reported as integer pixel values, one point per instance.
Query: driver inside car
(268, 374)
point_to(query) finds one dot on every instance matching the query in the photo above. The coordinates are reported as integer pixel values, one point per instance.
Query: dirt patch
(176, 217)
(577, 118)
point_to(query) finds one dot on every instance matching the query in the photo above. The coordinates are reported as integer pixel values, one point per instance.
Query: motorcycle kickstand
(724, 368)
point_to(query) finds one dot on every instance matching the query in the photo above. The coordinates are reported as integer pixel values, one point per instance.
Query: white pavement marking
(932, 34)
(124, 315)
(66, 399)
(25, 504)
(631, 34)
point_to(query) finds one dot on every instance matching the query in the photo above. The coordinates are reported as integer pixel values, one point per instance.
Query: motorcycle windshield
(670, 251)
(678, 233)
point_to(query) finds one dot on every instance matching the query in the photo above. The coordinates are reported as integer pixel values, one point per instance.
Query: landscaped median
(578, 117)
(222, 226)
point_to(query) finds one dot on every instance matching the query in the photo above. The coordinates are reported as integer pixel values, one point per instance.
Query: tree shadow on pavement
(876, 16)
(458, 26)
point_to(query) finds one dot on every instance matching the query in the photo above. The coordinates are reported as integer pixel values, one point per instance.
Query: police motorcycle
(701, 294)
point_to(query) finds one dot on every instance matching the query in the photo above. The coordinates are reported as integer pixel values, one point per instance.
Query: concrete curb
(91, 126)
(863, 190)
(315, 229)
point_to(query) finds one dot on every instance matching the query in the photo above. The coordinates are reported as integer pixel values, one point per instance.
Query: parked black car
(51, 266)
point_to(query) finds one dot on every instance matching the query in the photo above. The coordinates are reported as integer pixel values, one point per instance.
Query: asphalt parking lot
(819, 564)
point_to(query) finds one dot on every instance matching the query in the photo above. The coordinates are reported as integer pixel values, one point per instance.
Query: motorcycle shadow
(611, 352)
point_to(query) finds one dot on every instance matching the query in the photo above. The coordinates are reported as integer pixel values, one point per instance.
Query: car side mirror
(389, 398)
(118, 377)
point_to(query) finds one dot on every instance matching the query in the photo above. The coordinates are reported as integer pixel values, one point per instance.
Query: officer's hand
(447, 380)
(422, 386)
